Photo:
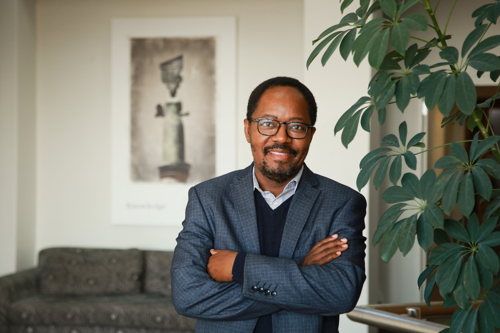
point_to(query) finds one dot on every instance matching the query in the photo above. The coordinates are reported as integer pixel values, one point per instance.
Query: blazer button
(274, 293)
(255, 288)
(267, 292)
(261, 290)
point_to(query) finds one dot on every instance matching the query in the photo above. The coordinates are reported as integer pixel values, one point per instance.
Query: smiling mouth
(280, 150)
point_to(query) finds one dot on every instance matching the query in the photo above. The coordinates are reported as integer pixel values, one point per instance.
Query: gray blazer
(221, 215)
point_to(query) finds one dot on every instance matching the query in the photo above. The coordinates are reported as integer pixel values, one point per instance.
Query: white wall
(73, 82)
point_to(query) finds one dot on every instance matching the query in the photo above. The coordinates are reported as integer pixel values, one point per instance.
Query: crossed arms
(319, 285)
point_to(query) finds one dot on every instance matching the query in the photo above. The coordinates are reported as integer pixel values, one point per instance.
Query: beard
(283, 172)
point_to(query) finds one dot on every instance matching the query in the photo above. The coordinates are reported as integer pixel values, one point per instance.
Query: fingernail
(345, 245)
(343, 240)
(338, 252)
(335, 236)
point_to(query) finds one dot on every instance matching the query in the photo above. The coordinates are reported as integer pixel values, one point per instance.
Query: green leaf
(395, 170)
(421, 70)
(371, 155)
(366, 117)
(487, 258)
(347, 115)
(466, 195)
(390, 140)
(450, 193)
(428, 83)
(349, 18)
(416, 139)
(485, 145)
(493, 209)
(471, 278)
(427, 181)
(473, 146)
(416, 21)
(414, 83)
(363, 44)
(465, 94)
(495, 75)
(365, 173)
(443, 252)
(403, 93)
(403, 130)
(472, 38)
(456, 230)
(447, 99)
(486, 228)
(459, 293)
(377, 52)
(364, 3)
(332, 29)
(483, 324)
(381, 116)
(470, 323)
(447, 162)
(485, 62)
(319, 48)
(434, 215)
(386, 97)
(435, 90)
(489, 166)
(345, 4)
(410, 160)
(400, 37)
(387, 220)
(421, 55)
(331, 48)
(440, 185)
(389, 8)
(447, 273)
(487, 103)
(346, 44)
(449, 54)
(492, 240)
(396, 194)
(410, 184)
(425, 233)
(486, 45)
(491, 311)
(379, 178)
(459, 152)
(411, 52)
(407, 234)
(350, 129)
(482, 182)
(389, 64)
(428, 290)
(458, 320)
(378, 83)
(391, 243)
(441, 237)
(423, 276)
(473, 227)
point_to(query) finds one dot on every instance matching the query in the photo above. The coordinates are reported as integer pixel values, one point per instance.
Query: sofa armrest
(15, 287)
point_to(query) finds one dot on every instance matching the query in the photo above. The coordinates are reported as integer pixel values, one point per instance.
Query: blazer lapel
(300, 209)
(241, 192)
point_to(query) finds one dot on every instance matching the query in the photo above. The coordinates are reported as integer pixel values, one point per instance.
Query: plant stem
(423, 40)
(449, 17)
(432, 15)
(446, 144)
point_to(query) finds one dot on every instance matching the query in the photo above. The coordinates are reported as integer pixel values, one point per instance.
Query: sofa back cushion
(79, 271)
(157, 272)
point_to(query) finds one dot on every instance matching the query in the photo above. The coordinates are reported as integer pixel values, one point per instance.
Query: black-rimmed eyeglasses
(270, 127)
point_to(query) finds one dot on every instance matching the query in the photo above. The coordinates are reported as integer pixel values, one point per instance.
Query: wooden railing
(402, 318)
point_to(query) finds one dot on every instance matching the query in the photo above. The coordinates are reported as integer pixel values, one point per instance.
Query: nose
(281, 136)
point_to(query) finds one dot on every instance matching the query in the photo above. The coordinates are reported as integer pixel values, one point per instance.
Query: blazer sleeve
(327, 290)
(194, 293)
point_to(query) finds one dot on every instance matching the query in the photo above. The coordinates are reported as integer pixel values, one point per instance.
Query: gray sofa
(76, 290)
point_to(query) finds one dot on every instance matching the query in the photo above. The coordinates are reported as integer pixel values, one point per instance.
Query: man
(264, 249)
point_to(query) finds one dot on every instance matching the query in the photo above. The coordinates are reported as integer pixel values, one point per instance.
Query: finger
(326, 240)
(337, 244)
(326, 259)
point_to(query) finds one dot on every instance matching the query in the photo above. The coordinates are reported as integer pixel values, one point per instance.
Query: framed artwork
(173, 113)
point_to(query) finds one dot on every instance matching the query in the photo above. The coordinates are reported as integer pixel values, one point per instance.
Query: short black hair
(282, 81)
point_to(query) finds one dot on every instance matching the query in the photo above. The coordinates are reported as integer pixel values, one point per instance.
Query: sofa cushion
(139, 311)
(157, 272)
(76, 271)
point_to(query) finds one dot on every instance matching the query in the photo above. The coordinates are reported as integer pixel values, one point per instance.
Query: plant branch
(428, 42)
(449, 17)
(441, 146)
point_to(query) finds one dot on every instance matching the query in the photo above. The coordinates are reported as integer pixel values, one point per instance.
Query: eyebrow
(270, 116)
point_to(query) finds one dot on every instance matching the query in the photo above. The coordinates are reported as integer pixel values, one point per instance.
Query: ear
(247, 130)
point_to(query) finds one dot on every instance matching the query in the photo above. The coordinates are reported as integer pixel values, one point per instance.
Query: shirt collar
(292, 184)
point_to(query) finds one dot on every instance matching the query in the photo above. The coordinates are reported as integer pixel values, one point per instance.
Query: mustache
(278, 145)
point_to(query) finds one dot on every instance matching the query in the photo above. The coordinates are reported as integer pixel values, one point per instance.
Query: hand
(325, 251)
(220, 265)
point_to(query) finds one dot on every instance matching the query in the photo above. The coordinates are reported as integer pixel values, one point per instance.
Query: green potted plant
(462, 262)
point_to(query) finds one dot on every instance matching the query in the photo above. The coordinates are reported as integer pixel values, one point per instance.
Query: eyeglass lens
(271, 127)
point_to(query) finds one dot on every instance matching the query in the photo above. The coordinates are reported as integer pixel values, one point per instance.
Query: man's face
(279, 157)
